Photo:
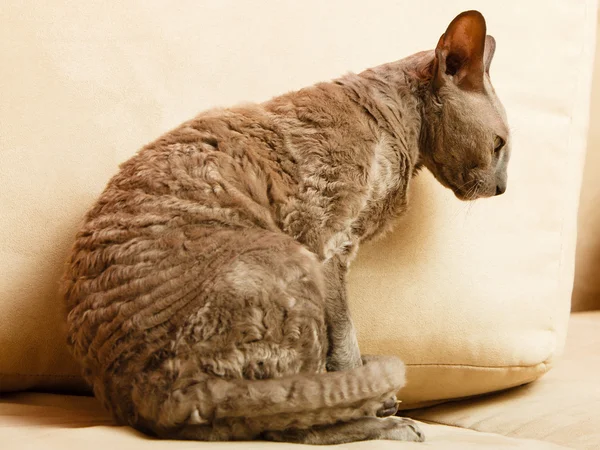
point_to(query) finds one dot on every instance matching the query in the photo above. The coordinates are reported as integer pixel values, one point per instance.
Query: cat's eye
(498, 144)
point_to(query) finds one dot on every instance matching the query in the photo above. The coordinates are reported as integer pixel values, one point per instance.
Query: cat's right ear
(460, 52)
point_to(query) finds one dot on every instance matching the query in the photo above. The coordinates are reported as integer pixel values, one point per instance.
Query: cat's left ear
(488, 53)
(460, 52)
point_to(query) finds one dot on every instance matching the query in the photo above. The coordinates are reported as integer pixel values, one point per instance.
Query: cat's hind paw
(389, 407)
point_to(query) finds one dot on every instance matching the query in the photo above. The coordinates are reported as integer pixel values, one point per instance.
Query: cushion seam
(475, 366)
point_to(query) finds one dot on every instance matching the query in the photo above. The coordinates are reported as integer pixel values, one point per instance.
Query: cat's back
(252, 165)
(213, 156)
(298, 164)
(262, 150)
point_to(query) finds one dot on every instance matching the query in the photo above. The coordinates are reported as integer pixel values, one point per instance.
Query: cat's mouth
(462, 196)
(469, 191)
(465, 191)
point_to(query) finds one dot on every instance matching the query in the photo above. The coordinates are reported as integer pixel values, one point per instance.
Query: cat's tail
(298, 401)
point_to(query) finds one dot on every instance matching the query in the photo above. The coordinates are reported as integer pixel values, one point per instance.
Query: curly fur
(205, 289)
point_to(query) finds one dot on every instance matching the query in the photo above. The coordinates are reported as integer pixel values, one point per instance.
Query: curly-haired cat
(205, 290)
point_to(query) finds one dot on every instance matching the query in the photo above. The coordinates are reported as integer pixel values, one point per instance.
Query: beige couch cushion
(563, 407)
(61, 422)
(474, 297)
(586, 291)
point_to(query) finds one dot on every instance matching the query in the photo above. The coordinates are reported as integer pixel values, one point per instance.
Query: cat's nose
(500, 189)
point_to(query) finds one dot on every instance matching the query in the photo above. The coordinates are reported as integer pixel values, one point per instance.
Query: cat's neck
(413, 72)
(396, 96)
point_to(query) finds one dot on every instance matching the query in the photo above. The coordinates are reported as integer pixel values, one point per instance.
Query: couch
(494, 307)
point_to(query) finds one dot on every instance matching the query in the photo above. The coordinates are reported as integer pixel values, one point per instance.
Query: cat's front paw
(402, 429)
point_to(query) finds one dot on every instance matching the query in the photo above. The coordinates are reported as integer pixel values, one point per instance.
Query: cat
(205, 291)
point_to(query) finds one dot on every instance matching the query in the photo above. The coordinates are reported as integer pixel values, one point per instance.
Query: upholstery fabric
(563, 407)
(62, 422)
(474, 297)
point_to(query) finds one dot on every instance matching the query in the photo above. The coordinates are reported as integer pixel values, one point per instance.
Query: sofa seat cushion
(563, 407)
(63, 422)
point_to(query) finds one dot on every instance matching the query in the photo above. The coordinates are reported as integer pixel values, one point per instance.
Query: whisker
(471, 191)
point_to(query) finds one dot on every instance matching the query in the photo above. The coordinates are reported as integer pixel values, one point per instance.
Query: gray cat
(206, 288)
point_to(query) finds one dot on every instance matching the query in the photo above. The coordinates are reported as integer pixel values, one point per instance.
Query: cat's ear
(488, 53)
(460, 52)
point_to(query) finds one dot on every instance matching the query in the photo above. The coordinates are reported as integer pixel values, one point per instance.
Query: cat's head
(468, 143)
